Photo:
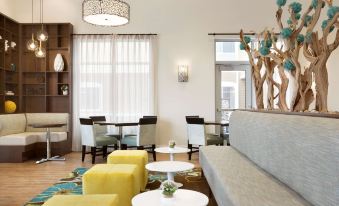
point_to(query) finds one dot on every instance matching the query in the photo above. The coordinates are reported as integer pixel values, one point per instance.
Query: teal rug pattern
(72, 185)
(66, 186)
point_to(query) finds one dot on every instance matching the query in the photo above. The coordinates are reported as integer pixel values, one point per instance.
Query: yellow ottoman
(137, 157)
(120, 179)
(83, 200)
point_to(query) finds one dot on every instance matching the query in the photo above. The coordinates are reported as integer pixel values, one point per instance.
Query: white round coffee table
(180, 198)
(169, 167)
(172, 151)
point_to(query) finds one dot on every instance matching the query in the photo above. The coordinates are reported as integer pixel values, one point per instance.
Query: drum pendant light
(106, 12)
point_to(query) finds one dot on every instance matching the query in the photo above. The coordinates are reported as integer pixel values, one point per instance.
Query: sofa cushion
(12, 124)
(27, 138)
(20, 139)
(301, 151)
(47, 118)
(236, 181)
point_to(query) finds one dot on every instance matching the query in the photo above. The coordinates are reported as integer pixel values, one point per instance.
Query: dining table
(48, 141)
(120, 126)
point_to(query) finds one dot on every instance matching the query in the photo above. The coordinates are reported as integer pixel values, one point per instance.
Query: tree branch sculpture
(286, 59)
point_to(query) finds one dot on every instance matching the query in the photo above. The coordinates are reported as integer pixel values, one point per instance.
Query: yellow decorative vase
(10, 106)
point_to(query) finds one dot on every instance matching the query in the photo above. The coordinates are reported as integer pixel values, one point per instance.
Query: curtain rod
(228, 34)
(114, 34)
(233, 34)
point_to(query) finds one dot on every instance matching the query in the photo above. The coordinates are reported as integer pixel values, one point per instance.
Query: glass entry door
(233, 89)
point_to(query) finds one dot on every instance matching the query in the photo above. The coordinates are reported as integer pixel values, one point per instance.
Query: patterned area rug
(73, 185)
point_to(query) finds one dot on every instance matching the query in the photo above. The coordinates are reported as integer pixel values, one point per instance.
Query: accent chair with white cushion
(97, 142)
(145, 137)
(197, 135)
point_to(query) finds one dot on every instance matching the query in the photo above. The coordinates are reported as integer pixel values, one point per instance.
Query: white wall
(182, 26)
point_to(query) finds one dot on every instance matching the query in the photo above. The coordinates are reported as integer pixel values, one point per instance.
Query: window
(114, 76)
(229, 51)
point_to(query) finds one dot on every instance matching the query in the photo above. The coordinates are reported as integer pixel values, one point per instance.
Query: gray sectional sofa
(19, 141)
(275, 160)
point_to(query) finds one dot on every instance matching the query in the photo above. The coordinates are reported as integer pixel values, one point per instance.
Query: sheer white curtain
(114, 75)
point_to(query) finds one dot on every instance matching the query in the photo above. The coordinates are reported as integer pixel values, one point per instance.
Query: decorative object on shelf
(168, 188)
(13, 45)
(9, 93)
(106, 12)
(59, 63)
(64, 89)
(0, 37)
(42, 34)
(40, 52)
(13, 67)
(32, 44)
(171, 144)
(300, 36)
(182, 73)
(6, 45)
(10, 106)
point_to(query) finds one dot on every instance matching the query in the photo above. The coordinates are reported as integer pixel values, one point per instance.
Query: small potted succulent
(64, 89)
(171, 144)
(168, 188)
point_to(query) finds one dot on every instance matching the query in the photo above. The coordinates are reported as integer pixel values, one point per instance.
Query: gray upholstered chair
(145, 137)
(90, 138)
(103, 130)
(197, 135)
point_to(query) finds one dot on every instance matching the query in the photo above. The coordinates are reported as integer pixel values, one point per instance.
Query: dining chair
(145, 137)
(97, 142)
(102, 129)
(197, 135)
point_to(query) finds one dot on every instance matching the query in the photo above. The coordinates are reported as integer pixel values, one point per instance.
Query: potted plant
(171, 144)
(168, 188)
(64, 89)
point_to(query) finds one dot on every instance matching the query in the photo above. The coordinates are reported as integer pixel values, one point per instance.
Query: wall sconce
(183, 73)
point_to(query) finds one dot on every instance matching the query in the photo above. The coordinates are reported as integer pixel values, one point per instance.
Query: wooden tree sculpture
(287, 58)
(256, 63)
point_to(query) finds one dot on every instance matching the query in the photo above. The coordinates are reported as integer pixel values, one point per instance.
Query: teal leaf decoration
(308, 20)
(264, 51)
(247, 39)
(242, 46)
(289, 21)
(286, 33)
(296, 7)
(288, 65)
(300, 38)
(324, 25)
(266, 43)
(315, 4)
(281, 3)
(297, 16)
(331, 12)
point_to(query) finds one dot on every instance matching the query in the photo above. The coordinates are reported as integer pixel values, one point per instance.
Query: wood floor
(19, 182)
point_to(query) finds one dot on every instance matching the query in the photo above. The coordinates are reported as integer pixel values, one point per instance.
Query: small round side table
(180, 198)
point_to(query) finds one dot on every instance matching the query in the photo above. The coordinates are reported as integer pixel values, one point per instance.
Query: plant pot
(167, 195)
(65, 92)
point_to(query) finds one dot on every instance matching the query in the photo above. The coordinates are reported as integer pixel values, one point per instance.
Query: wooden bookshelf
(9, 61)
(41, 85)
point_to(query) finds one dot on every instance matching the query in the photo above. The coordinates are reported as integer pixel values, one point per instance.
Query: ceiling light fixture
(40, 52)
(106, 12)
(42, 34)
(32, 44)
